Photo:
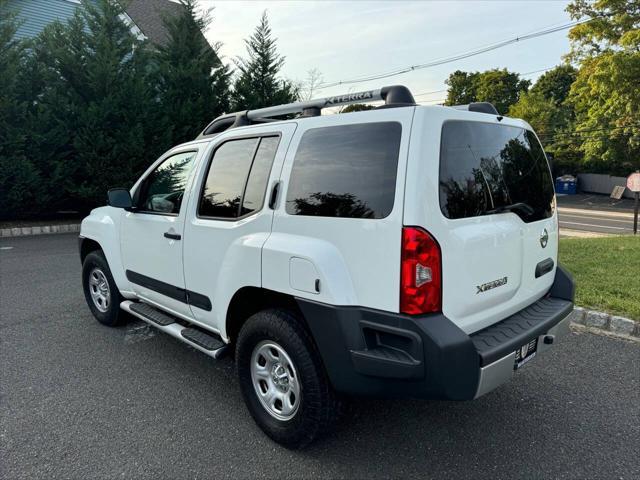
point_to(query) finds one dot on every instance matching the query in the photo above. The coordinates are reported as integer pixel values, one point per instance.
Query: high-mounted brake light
(421, 273)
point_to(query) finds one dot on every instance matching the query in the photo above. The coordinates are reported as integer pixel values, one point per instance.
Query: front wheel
(282, 379)
(100, 290)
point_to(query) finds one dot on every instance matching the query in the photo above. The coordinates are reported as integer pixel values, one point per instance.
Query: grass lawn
(606, 271)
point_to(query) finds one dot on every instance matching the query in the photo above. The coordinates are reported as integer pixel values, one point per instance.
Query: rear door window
(259, 176)
(345, 171)
(487, 168)
(236, 182)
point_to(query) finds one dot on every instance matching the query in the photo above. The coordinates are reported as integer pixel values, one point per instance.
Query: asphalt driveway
(79, 400)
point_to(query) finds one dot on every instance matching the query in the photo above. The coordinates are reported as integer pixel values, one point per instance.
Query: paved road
(595, 221)
(595, 213)
(79, 400)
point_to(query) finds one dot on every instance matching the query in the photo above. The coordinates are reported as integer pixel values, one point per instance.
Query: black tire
(113, 315)
(319, 405)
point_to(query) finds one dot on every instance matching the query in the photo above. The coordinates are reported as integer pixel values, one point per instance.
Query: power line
(454, 58)
(429, 93)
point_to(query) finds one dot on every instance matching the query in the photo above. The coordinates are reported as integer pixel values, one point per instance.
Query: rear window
(345, 171)
(487, 168)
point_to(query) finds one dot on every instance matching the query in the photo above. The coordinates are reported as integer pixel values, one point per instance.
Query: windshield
(488, 168)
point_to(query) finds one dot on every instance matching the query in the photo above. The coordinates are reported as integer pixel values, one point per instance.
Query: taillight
(421, 273)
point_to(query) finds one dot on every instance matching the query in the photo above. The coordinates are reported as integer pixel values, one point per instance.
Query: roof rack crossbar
(396, 95)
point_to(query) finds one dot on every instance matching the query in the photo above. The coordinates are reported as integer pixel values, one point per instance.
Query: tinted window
(226, 178)
(485, 168)
(235, 177)
(163, 189)
(259, 175)
(345, 171)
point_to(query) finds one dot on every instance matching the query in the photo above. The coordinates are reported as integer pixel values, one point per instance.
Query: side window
(345, 171)
(259, 176)
(236, 182)
(163, 189)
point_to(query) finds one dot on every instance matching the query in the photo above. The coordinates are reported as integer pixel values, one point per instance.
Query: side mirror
(120, 198)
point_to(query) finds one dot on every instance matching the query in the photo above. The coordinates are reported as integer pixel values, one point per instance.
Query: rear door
(229, 217)
(488, 199)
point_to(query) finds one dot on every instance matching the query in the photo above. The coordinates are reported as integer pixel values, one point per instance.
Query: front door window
(163, 189)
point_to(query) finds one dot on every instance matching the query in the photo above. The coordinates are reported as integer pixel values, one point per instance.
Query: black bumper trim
(502, 338)
(447, 367)
(384, 354)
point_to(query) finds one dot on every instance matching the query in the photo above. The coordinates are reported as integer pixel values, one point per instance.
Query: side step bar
(207, 343)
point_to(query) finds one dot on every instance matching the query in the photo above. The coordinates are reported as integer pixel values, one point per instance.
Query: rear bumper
(369, 352)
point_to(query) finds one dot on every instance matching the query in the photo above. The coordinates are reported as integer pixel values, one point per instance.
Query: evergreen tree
(258, 84)
(99, 90)
(21, 190)
(194, 83)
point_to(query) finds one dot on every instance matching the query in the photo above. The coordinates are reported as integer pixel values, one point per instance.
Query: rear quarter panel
(357, 260)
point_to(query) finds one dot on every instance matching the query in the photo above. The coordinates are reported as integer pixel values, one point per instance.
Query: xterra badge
(489, 285)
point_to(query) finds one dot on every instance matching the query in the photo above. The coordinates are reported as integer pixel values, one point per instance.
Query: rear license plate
(526, 353)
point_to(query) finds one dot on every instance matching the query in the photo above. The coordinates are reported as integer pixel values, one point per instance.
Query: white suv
(403, 251)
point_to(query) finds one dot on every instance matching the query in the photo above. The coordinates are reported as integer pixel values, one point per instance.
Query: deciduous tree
(499, 87)
(605, 94)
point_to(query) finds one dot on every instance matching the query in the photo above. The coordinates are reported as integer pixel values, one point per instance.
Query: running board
(207, 343)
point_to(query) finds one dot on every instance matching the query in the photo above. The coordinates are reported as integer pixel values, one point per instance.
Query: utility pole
(635, 214)
(633, 184)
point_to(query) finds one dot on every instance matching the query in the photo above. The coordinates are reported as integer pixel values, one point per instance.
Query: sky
(347, 39)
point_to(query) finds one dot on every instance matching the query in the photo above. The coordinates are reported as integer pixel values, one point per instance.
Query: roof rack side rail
(481, 107)
(393, 96)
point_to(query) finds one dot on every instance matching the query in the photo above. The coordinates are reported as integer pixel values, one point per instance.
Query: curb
(38, 230)
(603, 322)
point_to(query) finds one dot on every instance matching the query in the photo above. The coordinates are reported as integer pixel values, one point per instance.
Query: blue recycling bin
(566, 186)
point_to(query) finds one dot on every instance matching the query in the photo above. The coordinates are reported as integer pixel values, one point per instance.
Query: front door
(151, 235)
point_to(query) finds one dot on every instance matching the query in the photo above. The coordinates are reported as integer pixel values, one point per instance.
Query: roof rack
(393, 96)
(481, 107)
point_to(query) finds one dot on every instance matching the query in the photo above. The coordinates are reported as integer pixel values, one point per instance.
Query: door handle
(172, 236)
(274, 196)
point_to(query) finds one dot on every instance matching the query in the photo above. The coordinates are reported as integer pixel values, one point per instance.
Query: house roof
(148, 14)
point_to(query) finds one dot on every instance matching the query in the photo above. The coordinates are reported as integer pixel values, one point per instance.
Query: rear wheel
(100, 290)
(282, 379)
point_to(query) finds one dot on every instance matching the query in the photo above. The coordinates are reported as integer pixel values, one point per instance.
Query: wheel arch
(87, 245)
(250, 300)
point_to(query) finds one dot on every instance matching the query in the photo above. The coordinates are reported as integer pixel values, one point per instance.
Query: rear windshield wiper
(514, 207)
